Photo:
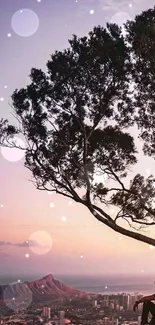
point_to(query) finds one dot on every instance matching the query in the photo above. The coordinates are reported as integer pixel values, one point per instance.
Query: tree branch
(86, 170)
(103, 213)
(49, 190)
(146, 223)
(137, 229)
(116, 177)
(125, 232)
(71, 190)
(100, 114)
(130, 192)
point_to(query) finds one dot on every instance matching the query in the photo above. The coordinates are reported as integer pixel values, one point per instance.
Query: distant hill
(42, 289)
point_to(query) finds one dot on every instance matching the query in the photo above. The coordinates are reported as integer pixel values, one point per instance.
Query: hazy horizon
(117, 278)
(95, 284)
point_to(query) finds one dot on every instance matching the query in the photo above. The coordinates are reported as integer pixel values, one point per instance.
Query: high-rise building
(61, 317)
(117, 307)
(46, 312)
(105, 320)
(112, 306)
(131, 301)
(139, 320)
(125, 302)
(106, 301)
(94, 303)
(116, 321)
(140, 306)
(62, 314)
(49, 312)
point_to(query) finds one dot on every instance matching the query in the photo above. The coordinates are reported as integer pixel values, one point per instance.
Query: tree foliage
(141, 36)
(74, 116)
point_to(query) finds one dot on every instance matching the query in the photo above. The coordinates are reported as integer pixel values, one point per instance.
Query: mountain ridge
(41, 289)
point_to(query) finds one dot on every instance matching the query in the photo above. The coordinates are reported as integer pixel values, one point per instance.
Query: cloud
(111, 7)
(26, 243)
(3, 254)
(3, 243)
(115, 5)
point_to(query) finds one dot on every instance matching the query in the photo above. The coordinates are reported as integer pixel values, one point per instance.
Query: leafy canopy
(74, 116)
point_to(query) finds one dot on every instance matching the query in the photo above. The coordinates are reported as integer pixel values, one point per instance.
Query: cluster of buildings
(61, 320)
(47, 318)
(118, 302)
(94, 310)
(107, 321)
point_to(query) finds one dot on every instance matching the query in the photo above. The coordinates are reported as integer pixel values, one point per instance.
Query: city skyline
(64, 238)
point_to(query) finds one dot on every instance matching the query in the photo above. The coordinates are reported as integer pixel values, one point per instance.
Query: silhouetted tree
(73, 119)
(141, 37)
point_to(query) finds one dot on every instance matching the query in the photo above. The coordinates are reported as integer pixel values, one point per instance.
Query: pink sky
(26, 210)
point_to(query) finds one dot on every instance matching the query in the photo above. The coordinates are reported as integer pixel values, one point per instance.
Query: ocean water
(110, 289)
(97, 284)
(112, 284)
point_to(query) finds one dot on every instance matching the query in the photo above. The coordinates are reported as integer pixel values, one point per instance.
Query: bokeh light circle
(25, 22)
(63, 219)
(51, 205)
(20, 300)
(40, 242)
(14, 154)
(91, 11)
(120, 18)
